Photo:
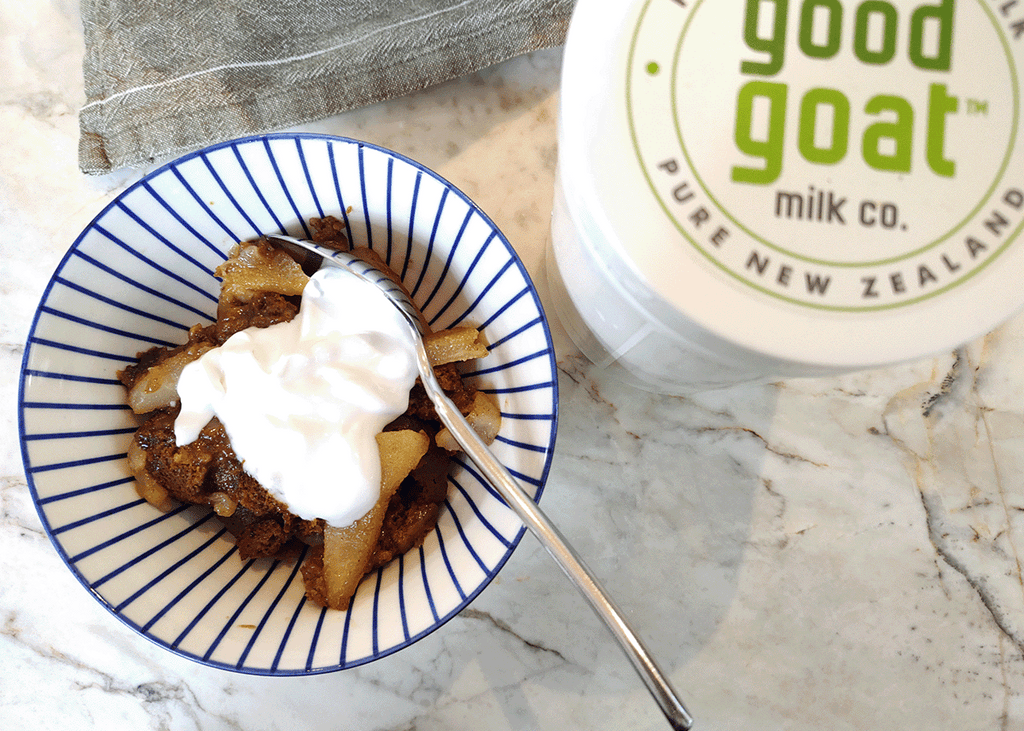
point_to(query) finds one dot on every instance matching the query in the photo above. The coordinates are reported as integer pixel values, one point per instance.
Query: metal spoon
(510, 490)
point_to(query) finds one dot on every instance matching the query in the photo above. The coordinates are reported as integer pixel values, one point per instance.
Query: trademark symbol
(977, 107)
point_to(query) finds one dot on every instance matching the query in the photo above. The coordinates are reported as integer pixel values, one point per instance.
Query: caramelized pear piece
(348, 551)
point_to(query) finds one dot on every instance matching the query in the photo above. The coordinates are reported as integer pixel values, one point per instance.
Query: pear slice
(484, 417)
(348, 550)
(454, 345)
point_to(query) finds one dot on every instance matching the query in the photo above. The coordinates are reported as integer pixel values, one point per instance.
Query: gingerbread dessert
(262, 286)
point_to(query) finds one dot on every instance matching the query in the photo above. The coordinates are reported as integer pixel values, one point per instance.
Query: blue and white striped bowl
(142, 273)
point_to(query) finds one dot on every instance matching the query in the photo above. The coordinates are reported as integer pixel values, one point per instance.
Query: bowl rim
(470, 596)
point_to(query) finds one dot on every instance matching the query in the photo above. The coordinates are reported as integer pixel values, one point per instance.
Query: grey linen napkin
(164, 77)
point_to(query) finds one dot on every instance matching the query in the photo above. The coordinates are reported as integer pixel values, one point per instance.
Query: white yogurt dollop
(303, 401)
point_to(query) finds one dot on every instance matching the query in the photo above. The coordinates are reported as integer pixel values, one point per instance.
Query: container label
(835, 154)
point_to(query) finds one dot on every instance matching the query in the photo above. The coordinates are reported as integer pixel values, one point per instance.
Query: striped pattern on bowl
(142, 273)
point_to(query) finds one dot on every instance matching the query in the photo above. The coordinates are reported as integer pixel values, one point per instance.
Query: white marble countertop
(826, 554)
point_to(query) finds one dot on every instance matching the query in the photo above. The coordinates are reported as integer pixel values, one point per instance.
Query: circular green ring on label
(1014, 87)
(818, 305)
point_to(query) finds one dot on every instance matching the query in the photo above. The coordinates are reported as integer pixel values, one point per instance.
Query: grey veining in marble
(820, 554)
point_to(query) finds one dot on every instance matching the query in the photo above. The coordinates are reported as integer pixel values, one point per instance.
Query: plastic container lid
(829, 184)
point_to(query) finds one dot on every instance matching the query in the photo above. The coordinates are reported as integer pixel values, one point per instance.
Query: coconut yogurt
(303, 401)
(752, 189)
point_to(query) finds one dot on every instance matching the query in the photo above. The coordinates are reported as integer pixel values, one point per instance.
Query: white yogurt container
(755, 189)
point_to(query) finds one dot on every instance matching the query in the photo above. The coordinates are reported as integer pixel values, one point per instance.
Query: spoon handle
(552, 540)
